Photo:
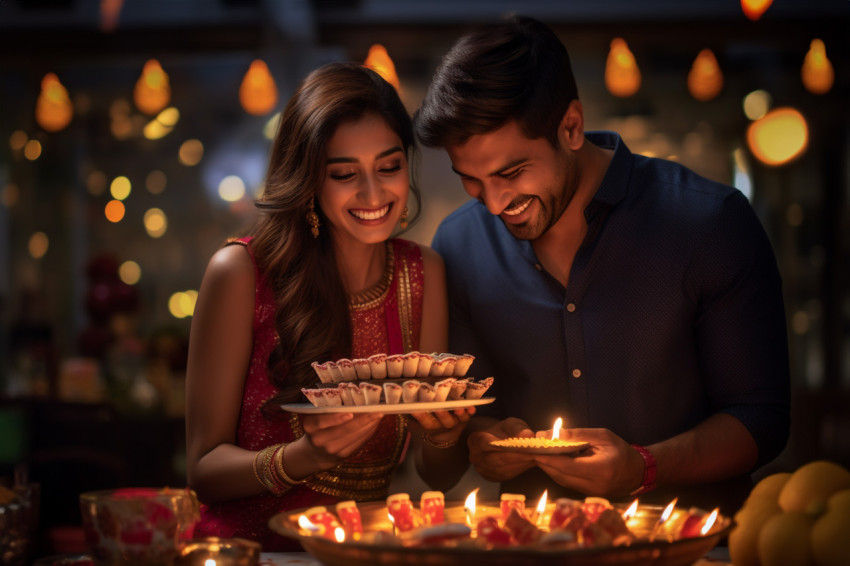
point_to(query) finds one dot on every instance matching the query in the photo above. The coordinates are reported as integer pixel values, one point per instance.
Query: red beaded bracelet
(649, 470)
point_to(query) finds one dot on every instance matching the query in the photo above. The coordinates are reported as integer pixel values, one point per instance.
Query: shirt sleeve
(740, 326)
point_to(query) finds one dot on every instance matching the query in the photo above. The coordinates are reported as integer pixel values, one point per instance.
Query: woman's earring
(403, 220)
(313, 219)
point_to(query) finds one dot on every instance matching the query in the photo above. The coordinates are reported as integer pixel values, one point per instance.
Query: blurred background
(134, 136)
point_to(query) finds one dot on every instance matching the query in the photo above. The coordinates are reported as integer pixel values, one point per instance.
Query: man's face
(526, 182)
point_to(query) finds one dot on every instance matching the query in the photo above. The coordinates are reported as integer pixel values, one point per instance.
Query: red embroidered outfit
(385, 319)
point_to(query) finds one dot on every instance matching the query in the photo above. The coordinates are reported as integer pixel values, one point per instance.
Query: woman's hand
(495, 464)
(444, 426)
(336, 436)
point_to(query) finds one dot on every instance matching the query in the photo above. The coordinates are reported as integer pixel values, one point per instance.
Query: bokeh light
(120, 188)
(10, 195)
(155, 182)
(156, 223)
(182, 303)
(96, 183)
(114, 211)
(191, 152)
(38, 245)
(18, 140)
(757, 104)
(781, 136)
(231, 188)
(130, 272)
(32, 150)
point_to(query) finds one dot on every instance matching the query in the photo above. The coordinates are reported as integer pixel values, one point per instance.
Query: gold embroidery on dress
(404, 305)
(371, 297)
(360, 481)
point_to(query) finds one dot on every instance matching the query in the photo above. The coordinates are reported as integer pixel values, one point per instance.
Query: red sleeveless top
(385, 319)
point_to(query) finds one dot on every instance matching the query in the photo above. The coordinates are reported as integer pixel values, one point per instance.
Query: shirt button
(538, 267)
(571, 307)
(576, 373)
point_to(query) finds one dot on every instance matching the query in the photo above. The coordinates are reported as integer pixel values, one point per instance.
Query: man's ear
(571, 129)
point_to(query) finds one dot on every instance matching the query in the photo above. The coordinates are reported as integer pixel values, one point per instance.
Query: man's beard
(550, 211)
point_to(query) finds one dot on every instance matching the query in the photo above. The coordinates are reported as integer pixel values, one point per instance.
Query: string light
(258, 91)
(152, 91)
(754, 9)
(379, 60)
(817, 72)
(622, 76)
(705, 81)
(53, 109)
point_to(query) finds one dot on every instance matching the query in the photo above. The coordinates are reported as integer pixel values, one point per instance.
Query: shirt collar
(615, 182)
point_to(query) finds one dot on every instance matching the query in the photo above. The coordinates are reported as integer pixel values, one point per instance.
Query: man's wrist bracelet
(426, 438)
(649, 470)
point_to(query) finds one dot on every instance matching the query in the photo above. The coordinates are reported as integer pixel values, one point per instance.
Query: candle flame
(469, 505)
(541, 505)
(209, 562)
(307, 524)
(556, 429)
(668, 511)
(709, 522)
(339, 534)
(390, 515)
(631, 511)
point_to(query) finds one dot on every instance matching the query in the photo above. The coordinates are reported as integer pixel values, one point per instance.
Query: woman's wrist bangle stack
(649, 470)
(441, 444)
(269, 471)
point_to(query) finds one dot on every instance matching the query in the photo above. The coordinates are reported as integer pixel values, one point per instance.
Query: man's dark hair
(514, 70)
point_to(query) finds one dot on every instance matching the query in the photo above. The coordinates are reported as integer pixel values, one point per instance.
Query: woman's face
(366, 181)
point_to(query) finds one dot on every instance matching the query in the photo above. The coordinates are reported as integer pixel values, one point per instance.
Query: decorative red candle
(564, 509)
(594, 506)
(490, 532)
(432, 505)
(349, 515)
(401, 510)
(511, 501)
(324, 520)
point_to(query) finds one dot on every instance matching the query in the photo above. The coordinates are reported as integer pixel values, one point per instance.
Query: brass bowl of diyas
(503, 533)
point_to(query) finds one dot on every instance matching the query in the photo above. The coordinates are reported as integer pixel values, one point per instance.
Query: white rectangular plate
(395, 409)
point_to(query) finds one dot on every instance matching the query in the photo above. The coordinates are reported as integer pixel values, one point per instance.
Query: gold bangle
(265, 471)
(279, 467)
(439, 444)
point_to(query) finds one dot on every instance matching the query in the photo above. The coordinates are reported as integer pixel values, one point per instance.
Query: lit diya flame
(307, 524)
(631, 511)
(541, 507)
(556, 429)
(664, 516)
(209, 562)
(339, 534)
(709, 522)
(392, 521)
(469, 506)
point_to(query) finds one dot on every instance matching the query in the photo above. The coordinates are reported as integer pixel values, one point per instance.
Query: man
(628, 295)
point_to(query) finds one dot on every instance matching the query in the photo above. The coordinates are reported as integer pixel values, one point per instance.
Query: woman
(321, 278)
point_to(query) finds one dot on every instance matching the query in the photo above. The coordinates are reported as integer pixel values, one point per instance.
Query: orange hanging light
(705, 80)
(622, 76)
(779, 137)
(754, 9)
(152, 91)
(53, 108)
(379, 60)
(258, 91)
(817, 72)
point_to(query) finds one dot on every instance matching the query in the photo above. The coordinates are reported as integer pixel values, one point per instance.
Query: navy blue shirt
(673, 312)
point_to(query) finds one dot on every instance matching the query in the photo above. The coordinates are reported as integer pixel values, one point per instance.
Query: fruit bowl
(138, 526)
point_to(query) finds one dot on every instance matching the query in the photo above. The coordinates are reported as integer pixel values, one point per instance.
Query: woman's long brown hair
(312, 318)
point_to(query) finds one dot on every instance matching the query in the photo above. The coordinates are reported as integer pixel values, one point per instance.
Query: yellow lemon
(769, 487)
(743, 540)
(784, 540)
(811, 485)
(839, 500)
(830, 537)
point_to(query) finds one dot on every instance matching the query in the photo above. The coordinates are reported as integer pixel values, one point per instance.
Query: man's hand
(609, 467)
(495, 464)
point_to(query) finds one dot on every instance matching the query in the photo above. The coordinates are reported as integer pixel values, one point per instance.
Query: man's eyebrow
(499, 171)
(381, 155)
